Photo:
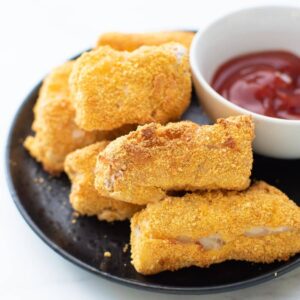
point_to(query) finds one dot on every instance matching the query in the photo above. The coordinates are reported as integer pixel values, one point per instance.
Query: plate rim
(279, 271)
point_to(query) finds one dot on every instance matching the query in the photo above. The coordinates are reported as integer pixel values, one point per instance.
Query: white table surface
(34, 37)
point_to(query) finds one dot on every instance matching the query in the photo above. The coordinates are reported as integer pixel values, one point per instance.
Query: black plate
(43, 202)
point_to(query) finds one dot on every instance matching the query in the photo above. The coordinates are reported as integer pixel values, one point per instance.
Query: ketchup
(266, 83)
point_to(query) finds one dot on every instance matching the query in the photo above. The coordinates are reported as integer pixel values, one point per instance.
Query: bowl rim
(207, 86)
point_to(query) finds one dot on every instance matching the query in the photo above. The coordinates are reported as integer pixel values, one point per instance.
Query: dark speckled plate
(43, 202)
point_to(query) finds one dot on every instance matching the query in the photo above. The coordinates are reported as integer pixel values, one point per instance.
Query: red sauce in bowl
(266, 83)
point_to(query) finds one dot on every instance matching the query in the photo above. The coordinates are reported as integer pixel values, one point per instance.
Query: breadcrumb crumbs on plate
(38, 180)
(75, 214)
(107, 254)
(125, 248)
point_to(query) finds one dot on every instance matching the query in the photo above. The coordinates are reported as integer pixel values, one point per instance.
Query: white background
(35, 36)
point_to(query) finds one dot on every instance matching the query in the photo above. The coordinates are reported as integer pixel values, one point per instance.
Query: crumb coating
(56, 133)
(147, 164)
(258, 225)
(79, 165)
(116, 88)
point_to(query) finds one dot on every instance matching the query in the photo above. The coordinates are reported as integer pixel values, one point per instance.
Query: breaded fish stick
(79, 165)
(147, 164)
(115, 88)
(56, 133)
(131, 41)
(258, 225)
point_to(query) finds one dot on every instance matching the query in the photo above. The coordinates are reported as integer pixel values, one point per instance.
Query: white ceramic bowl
(244, 31)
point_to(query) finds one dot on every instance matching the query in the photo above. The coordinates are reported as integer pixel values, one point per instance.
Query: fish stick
(56, 133)
(258, 225)
(79, 165)
(155, 160)
(131, 41)
(113, 88)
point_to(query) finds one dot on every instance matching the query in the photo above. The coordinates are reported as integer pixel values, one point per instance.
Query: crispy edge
(132, 41)
(83, 197)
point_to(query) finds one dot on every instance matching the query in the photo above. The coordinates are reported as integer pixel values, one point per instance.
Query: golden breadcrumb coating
(79, 165)
(258, 225)
(131, 41)
(113, 88)
(147, 164)
(56, 133)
